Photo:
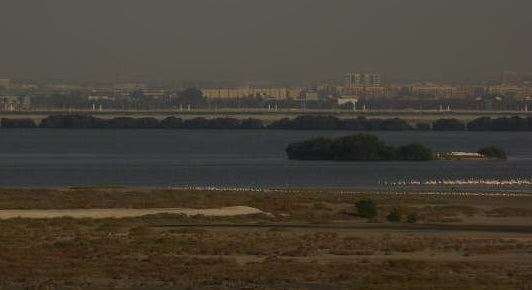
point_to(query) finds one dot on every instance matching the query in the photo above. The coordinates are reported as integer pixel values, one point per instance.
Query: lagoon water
(50, 157)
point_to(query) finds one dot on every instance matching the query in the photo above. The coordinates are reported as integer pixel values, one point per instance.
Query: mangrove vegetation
(303, 122)
(359, 147)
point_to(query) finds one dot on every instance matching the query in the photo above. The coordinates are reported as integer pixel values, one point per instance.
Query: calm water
(233, 158)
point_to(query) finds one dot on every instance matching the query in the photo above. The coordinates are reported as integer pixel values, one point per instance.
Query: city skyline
(347, 77)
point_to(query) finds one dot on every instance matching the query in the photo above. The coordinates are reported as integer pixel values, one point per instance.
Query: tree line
(87, 121)
(304, 122)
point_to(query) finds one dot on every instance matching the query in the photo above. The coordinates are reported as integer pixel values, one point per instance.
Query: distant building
(279, 93)
(153, 93)
(26, 103)
(519, 92)
(367, 85)
(294, 93)
(362, 79)
(328, 91)
(364, 91)
(433, 89)
(101, 94)
(127, 90)
(470, 91)
(100, 98)
(65, 87)
(342, 100)
(14, 103)
(129, 86)
(311, 96)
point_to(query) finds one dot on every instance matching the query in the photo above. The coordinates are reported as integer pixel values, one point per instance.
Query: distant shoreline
(301, 122)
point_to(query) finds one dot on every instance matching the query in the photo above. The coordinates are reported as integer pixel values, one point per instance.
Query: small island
(365, 147)
(359, 147)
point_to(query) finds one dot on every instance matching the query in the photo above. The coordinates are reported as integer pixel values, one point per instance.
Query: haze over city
(266, 144)
(263, 40)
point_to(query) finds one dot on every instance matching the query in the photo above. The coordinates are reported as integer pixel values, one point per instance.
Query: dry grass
(509, 212)
(309, 206)
(132, 253)
(108, 252)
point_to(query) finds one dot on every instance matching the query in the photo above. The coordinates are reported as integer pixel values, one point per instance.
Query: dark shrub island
(252, 123)
(395, 124)
(121, 123)
(361, 147)
(448, 125)
(415, 151)
(313, 149)
(147, 123)
(304, 122)
(172, 123)
(492, 152)
(18, 123)
(423, 126)
(197, 123)
(308, 122)
(71, 121)
(480, 124)
(500, 124)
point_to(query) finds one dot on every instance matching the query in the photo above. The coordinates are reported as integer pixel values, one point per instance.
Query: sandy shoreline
(124, 212)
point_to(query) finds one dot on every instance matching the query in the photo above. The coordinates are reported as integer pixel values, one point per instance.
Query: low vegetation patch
(359, 147)
(307, 241)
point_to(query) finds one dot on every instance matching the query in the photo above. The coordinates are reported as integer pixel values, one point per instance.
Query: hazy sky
(263, 39)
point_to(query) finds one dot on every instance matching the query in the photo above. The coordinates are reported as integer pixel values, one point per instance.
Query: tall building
(352, 79)
(13, 103)
(362, 79)
(363, 85)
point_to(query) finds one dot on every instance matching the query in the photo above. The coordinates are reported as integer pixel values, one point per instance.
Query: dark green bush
(394, 215)
(448, 125)
(358, 147)
(492, 152)
(412, 218)
(366, 208)
(313, 149)
(18, 123)
(415, 152)
(172, 123)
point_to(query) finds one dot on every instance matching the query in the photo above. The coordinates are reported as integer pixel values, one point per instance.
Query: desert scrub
(63, 250)
(509, 212)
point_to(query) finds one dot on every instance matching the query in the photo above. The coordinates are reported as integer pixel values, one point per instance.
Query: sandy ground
(124, 212)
